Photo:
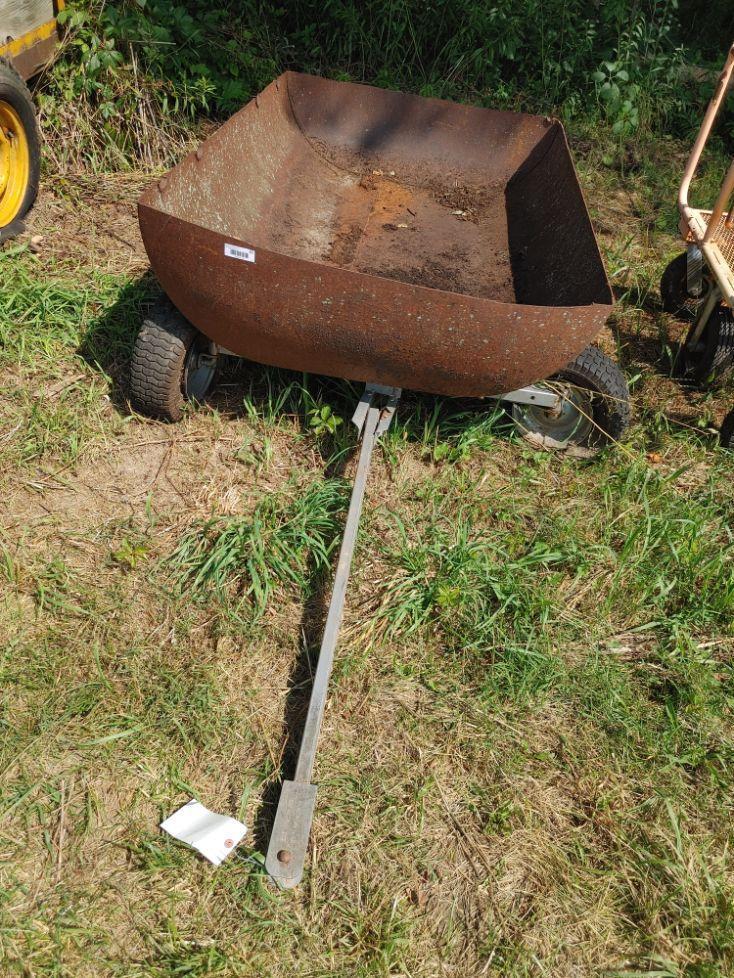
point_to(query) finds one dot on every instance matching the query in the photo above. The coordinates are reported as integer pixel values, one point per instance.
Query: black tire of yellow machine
(15, 94)
(726, 435)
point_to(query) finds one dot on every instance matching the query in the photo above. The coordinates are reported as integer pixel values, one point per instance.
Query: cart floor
(443, 235)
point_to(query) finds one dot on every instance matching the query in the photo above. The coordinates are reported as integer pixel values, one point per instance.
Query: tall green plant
(140, 71)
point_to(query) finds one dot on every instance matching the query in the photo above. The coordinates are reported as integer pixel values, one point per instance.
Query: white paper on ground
(215, 836)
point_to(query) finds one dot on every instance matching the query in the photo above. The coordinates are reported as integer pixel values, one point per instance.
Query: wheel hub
(571, 419)
(199, 369)
(15, 163)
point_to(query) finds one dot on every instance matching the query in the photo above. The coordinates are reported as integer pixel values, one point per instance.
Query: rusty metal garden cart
(399, 241)
(367, 234)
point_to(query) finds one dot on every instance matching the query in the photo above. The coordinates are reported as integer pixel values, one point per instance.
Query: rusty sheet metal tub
(376, 236)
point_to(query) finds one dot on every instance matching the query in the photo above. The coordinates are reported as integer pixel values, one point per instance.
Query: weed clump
(285, 541)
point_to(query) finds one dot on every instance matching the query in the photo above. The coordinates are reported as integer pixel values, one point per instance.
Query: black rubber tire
(713, 358)
(726, 435)
(596, 373)
(674, 287)
(158, 362)
(14, 91)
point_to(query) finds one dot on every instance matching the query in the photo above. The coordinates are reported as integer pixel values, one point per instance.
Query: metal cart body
(382, 237)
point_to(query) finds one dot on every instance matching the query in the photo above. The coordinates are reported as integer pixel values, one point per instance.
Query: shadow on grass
(108, 343)
(643, 299)
(272, 393)
(661, 351)
(638, 347)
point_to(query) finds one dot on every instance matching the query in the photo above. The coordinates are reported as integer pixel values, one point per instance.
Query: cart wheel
(713, 355)
(172, 363)
(726, 435)
(674, 286)
(20, 152)
(595, 408)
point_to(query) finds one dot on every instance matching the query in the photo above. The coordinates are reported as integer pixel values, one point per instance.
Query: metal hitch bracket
(286, 854)
(533, 395)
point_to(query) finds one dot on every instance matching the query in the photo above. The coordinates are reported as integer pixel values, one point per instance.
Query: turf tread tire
(157, 364)
(596, 371)
(717, 359)
(673, 285)
(16, 93)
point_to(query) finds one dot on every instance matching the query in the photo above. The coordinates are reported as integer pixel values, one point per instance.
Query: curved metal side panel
(304, 315)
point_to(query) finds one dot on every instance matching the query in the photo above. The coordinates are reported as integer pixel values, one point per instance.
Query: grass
(527, 763)
(282, 542)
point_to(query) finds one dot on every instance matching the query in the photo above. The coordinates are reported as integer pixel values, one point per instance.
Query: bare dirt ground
(90, 223)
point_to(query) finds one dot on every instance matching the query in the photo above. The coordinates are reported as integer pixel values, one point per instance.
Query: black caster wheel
(172, 363)
(711, 357)
(674, 287)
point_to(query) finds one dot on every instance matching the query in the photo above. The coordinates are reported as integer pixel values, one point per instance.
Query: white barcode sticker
(235, 251)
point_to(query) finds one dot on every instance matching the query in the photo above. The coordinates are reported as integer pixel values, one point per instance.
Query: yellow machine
(28, 35)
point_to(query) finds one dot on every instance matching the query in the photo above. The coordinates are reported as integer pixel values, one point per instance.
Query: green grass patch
(288, 540)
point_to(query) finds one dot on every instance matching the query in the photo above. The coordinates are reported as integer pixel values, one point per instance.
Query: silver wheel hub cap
(570, 421)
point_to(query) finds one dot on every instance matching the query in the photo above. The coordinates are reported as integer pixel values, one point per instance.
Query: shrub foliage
(139, 67)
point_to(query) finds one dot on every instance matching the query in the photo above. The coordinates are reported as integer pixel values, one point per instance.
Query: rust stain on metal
(395, 239)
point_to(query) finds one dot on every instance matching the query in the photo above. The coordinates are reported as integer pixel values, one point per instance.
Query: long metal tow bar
(289, 839)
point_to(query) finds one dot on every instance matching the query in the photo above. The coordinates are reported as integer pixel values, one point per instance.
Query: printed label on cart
(236, 251)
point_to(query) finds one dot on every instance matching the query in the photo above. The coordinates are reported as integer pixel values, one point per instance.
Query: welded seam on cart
(518, 176)
(317, 150)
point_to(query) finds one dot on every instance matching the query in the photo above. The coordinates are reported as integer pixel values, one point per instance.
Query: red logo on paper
(228, 843)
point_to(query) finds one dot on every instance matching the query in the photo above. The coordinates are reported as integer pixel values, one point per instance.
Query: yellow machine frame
(30, 51)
